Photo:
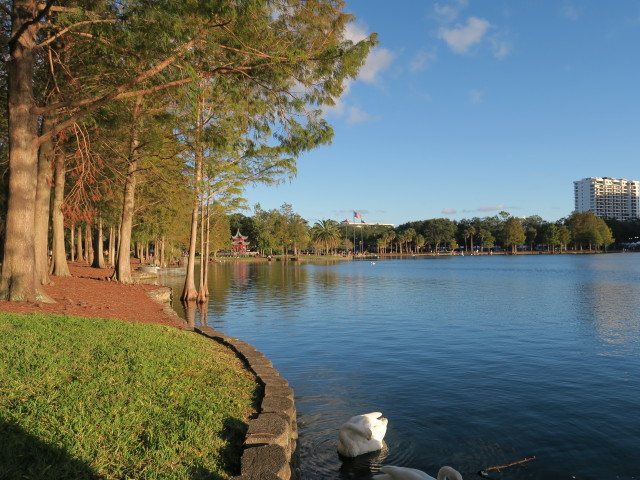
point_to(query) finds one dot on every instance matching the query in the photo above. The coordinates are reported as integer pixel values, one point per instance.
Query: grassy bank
(95, 398)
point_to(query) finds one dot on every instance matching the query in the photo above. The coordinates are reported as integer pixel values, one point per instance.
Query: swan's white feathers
(362, 434)
(402, 473)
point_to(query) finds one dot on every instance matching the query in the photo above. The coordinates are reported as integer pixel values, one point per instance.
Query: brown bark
(59, 266)
(205, 267)
(122, 270)
(43, 200)
(18, 281)
(79, 249)
(88, 247)
(98, 246)
(112, 246)
(163, 262)
(190, 292)
(72, 231)
(202, 290)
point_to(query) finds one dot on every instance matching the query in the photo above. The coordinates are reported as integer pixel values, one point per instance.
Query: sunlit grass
(95, 398)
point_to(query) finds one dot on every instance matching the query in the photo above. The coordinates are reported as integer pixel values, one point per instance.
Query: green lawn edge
(104, 398)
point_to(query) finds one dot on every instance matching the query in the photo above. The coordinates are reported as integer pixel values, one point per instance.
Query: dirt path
(88, 293)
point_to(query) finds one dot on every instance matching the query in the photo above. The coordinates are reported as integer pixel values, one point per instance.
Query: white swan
(402, 473)
(362, 434)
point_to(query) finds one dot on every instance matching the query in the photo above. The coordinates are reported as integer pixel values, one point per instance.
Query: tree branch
(67, 29)
(41, 14)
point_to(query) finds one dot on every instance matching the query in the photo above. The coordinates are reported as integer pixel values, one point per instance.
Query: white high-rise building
(608, 197)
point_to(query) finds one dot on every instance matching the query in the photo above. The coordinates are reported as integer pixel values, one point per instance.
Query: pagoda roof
(239, 235)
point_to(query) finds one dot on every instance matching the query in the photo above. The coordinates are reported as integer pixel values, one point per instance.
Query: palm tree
(326, 233)
(401, 239)
(419, 241)
(469, 232)
(391, 237)
(410, 236)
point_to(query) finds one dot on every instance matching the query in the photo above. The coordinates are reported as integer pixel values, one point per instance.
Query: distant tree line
(283, 231)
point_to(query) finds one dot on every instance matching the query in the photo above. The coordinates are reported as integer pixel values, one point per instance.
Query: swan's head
(449, 473)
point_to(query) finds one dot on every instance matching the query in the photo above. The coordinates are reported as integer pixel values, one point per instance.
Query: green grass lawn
(96, 398)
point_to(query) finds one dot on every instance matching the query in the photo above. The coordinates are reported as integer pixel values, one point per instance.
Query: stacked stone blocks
(270, 447)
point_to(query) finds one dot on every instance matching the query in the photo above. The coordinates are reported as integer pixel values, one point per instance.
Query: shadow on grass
(234, 433)
(23, 455)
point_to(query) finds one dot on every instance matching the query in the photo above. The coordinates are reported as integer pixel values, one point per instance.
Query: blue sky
(470, 107)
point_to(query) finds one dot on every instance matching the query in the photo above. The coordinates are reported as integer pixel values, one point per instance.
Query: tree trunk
(112, 246)
(72, 231)
(43, 199)
(98, 247)
(59, 266)
(162, 258)
(190, 292)
(18, 281)
(88, 247)
(203, 294)
(122, 271)
(80, 255)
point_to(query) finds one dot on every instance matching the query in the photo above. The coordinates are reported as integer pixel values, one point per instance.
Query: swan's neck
(448, 473)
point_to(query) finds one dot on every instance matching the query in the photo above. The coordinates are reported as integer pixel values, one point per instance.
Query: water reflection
(280, 285)
(221, 284)
(190, 312)
(611, 310)
(605, 297)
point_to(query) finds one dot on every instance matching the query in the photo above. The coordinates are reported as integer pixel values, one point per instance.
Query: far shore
(367, 256)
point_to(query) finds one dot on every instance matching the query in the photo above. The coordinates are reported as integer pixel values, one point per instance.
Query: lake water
(476, 361)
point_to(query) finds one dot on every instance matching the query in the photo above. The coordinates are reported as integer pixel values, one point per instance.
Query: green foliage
(279, 229)
(219, 238)
(587, 229)
(513, 233)
(625, 231)
(94, 398)
(254, 71)
(325, 234)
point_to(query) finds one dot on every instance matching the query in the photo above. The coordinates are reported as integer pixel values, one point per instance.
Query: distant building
(608, 197)
(240, 243)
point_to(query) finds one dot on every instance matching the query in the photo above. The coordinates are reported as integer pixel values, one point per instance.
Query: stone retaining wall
(270, 446)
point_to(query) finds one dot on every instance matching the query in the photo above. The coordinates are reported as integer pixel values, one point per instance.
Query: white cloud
(571, 12)
(501, 48)
(355, 32)
(422, 60)
(449, 211)
(377, 61)
(492, 208)
(462, 37)
(356, 115)
(475, 96)
(449, 12)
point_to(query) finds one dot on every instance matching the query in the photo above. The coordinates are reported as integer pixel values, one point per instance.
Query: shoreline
(270, 446)
(368, 256)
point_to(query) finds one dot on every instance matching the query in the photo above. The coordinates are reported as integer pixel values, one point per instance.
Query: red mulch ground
(88, 294)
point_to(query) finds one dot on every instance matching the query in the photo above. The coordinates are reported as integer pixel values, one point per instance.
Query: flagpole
(355, 249)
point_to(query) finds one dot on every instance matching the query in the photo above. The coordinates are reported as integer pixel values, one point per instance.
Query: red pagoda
(240, 243)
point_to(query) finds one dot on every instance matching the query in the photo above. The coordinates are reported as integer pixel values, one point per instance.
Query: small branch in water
(483, 472)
